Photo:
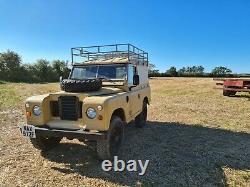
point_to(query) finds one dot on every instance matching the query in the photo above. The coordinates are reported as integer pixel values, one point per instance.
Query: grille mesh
(69, 107)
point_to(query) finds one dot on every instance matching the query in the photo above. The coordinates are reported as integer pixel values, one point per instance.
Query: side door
(134, 93)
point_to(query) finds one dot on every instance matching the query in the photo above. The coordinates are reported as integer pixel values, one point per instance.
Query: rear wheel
(141, 119)
(107, 149)
(228, 93)
(225, 93)
(45, 144)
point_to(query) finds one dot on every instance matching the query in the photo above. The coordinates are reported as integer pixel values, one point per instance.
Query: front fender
(109, 105)
(43, 102)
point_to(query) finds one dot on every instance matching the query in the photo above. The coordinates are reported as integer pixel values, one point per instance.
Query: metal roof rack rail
(105, 52)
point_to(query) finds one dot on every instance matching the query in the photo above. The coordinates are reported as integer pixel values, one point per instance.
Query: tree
(200, 70)
(172, 71)
(151, 68)
(221, 71)
(152, 71)
(9, 65)
(12, 69)
(43, 70)
(60, 68)
(182, 71)
(191, 71)
(30, 73)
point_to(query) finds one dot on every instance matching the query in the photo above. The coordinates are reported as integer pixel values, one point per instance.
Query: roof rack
(105, 52)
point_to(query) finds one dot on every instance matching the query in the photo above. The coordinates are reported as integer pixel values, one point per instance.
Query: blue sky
(174, 32)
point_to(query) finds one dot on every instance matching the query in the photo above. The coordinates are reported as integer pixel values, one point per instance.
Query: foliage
(220, 71)
(43, 70)
(9, 65)
(60, 68)
(12, 69)
(191, 71)
(172, 71)
(151, 69)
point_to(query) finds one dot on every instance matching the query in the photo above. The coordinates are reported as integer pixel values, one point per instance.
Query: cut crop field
(194, 137)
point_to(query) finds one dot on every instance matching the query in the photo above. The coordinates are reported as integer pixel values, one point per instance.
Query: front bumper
(70, 134)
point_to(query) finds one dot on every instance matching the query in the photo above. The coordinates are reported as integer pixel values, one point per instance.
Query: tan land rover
(107, 88)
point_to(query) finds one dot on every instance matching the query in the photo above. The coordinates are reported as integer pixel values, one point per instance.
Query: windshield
(105, 72)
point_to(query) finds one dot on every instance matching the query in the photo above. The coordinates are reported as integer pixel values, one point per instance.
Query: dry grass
(194, 137)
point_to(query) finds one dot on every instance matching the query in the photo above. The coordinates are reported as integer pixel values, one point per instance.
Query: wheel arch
(120, 113)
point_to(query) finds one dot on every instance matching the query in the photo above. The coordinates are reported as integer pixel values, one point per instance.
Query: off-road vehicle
(107, 88)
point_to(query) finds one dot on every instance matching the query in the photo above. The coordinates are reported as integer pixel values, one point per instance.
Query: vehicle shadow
(179, 154)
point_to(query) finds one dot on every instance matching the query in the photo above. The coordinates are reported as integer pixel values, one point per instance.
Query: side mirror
(136, 80)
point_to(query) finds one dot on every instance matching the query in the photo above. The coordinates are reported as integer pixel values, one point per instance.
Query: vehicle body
(93, 115)
(231, 86)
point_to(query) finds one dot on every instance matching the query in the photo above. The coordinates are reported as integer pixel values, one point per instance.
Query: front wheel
(141, 119)
(107, 149)
(45, 144)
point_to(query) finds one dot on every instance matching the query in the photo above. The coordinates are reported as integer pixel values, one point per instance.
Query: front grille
(69, 108)
(54, 108)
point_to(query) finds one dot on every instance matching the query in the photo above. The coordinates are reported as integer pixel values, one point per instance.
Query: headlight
(91, 113)
(36, 110)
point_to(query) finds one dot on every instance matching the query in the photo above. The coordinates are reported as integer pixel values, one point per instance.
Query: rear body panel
(233, 83)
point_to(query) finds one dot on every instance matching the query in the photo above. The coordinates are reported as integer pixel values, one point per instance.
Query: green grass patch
(2, 82)
(8, 97)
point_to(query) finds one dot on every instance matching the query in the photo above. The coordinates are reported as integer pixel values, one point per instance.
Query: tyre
(45, 144)
(70, 85)
(141, 119)
(107, 149)
(228, 93)
(232, 93)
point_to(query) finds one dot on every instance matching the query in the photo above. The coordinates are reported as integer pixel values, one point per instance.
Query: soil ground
(194, 137)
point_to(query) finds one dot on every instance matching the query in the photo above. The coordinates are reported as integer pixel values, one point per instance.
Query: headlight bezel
(91, 113)
(37, 110)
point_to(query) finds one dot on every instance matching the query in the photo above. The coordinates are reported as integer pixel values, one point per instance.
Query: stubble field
(194, 137)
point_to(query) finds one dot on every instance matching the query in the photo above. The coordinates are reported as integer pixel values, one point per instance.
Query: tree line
(12, 69)
(191, 71)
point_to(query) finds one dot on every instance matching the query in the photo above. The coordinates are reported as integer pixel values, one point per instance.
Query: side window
(131, 72)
